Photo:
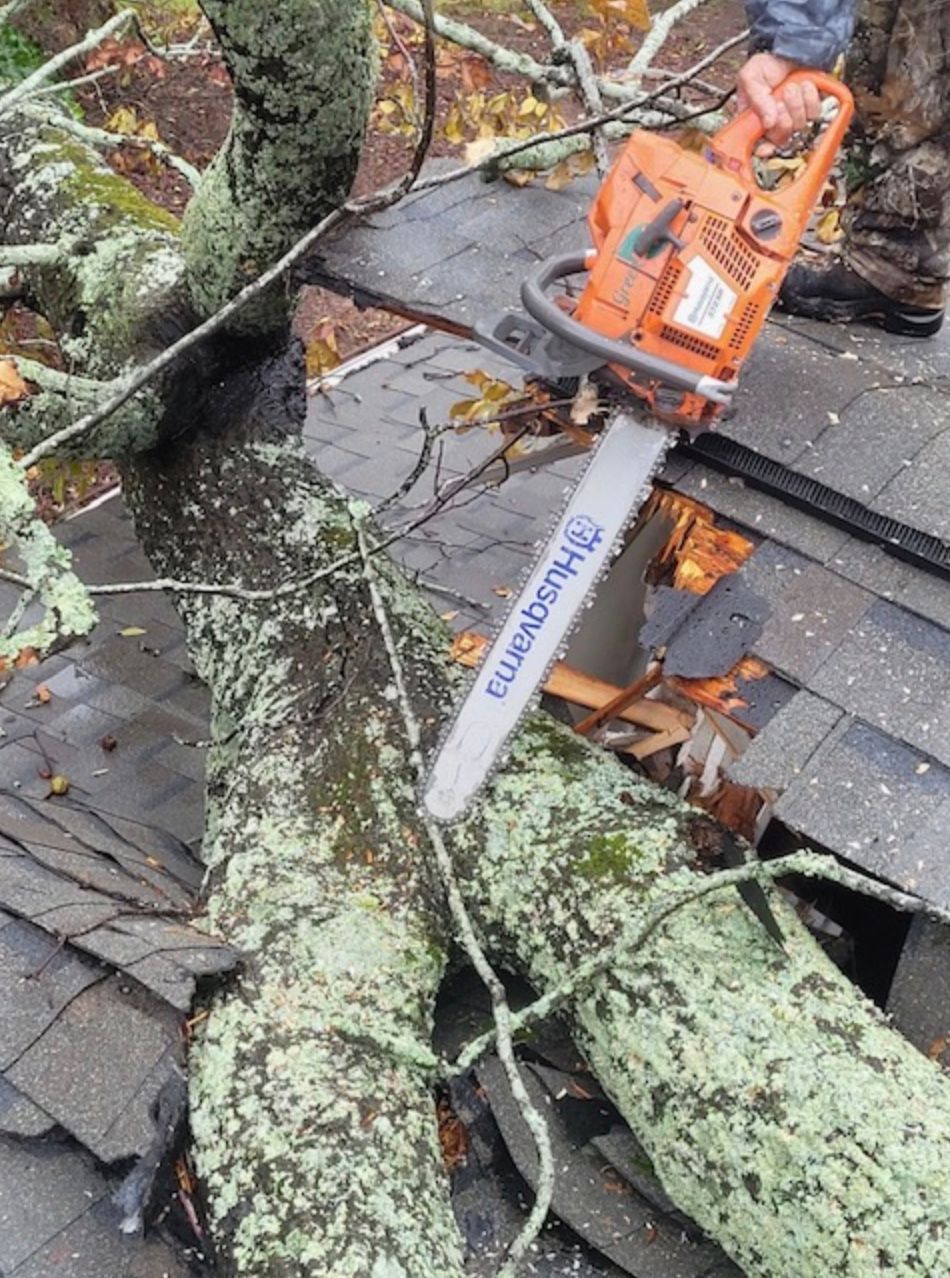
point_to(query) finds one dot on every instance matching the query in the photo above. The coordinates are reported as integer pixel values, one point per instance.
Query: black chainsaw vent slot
(686, 342)
(741, 331)
(720, 241)
(921, 549)
(665, 288)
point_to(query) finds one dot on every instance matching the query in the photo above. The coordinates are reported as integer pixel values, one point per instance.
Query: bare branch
(10, 10)
(49, 70)
(19, 256)
(107, 140)
(576, 52)
(465, 933)
(655, 38)
(686, 888)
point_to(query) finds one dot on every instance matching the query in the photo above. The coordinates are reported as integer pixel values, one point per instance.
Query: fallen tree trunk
(780, 1110)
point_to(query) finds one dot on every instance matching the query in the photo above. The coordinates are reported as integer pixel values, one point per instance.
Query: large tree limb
(727, 1057)
(303, 93)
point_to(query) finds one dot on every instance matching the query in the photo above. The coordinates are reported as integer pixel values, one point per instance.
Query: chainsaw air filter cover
(690, 253)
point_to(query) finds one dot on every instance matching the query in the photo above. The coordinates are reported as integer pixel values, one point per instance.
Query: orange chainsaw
(689, 254)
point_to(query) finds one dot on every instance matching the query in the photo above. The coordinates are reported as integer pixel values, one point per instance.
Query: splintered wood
(683, 732)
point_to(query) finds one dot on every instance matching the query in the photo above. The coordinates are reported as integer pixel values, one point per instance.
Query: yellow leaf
(560, 177)
(124, 120)
(828, 230)
(58, 784)
(637, 13)
(529, 106)
(464, 409)
(12, 386)
(132, 632)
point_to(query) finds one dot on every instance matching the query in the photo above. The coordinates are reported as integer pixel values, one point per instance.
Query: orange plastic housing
(700, 302)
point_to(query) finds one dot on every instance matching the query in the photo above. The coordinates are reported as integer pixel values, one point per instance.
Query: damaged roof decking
(858, 640)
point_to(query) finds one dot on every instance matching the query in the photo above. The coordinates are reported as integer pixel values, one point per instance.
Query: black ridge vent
(921, 549)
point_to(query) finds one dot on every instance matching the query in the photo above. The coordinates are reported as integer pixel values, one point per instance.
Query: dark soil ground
(188, 100)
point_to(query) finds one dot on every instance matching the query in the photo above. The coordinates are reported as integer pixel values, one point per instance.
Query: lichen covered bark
(779, 1108)
(311, 1084)
(118, 267)
(304, 84)
(67, 610)
(121, 262)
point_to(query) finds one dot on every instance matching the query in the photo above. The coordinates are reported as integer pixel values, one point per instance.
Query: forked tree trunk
(781, 1111)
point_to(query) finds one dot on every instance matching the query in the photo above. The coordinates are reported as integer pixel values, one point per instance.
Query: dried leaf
(132, 632)
(828, 230)
(560, 177)
(12, 386)
(42, 694)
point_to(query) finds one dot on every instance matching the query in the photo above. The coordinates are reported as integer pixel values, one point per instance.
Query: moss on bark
(303, 91)
(778, 1107)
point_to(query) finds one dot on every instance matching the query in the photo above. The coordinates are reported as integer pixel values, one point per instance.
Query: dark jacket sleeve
(810, 32)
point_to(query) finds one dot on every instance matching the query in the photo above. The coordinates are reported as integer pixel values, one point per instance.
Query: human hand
(781, 115)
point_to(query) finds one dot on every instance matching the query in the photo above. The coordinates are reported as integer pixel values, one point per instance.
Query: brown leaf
(42, 693)
(108, 743)
(12, 386)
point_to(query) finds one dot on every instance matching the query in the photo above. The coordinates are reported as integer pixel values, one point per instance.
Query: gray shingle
(870, 798)
(781, 752)
(893, 670)
(880, 436)
(99, 1066)
(811, 612)
(761, 514)
(919, 998)
(43, 1189)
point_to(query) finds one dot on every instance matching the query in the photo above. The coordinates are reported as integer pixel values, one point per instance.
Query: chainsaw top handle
(737, 141)
(608, 350)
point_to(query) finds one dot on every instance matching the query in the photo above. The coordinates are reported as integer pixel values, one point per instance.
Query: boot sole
(901, 323)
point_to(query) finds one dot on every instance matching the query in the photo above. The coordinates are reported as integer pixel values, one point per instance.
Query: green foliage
(18, 55)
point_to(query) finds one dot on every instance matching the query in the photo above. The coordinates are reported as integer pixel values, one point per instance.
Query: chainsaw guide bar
(600, 507)
(688, 256)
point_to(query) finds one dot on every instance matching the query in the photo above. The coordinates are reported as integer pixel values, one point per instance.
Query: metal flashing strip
(923, 550)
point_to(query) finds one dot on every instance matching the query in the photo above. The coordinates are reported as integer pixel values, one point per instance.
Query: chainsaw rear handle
(607, 350)
(738, 139)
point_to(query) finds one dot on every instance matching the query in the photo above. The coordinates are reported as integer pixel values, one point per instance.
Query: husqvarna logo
(583, 533)
(581, 537)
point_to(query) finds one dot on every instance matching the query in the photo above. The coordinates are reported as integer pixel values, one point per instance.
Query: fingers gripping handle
(738, 140)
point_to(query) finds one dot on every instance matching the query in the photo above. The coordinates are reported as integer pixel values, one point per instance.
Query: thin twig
(465, 933)
(10, 10)
(808, 864)
(126, 387)
(42, 75)
(655, 38)
(106, 139)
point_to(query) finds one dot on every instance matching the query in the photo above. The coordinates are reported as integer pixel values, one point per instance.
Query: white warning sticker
(707, 301)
